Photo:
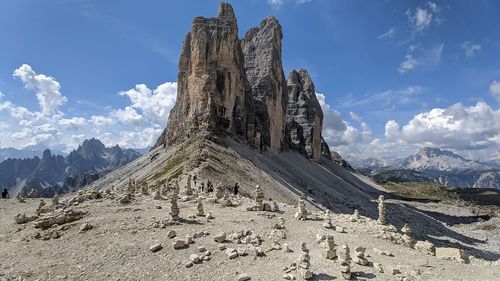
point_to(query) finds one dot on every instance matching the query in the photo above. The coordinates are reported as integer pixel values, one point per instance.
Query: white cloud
(356, 117)
(47, 89)
(275, 3)
(156, 104)
(136, 125)
(391, 130)
(278, 3)
(388, 34)
(338, 132)
(388, 98)
(495, 90)
(470, 49)
(408, 64)
(456, 127)
(422, 18)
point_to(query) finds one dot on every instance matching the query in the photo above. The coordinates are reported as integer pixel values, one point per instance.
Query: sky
(391, 76)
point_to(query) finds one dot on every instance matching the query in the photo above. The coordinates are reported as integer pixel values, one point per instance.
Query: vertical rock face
(213, 93)
(304, 117)
(238, 87)
(262, 56)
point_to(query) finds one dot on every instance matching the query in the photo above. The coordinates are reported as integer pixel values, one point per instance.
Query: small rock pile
(359, 257)
(328, 220)
(302, 212)
(345, 262)
(329, 245)
(381, 210)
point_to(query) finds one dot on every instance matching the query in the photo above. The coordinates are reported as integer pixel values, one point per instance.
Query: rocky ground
(112, 241)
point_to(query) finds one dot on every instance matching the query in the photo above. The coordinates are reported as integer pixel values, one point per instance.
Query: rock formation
(381, 210)
(213, 94)
(228, 87)
(262, 54)
(304, 117)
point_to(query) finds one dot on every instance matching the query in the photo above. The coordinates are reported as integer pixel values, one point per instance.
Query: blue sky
(393, 75)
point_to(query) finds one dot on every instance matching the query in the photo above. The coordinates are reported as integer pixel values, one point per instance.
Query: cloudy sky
(392, 76)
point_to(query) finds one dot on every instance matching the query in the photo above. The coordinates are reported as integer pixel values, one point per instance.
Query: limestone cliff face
(262, 57)
(213, 93)
(304, 117)
(230, 87)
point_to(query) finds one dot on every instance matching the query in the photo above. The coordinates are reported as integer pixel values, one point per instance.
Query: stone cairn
(381, 210)
(328, 220)
(226, 202)
(55, 200)
(144, 188)
(345, 262)
(199, 208)
(407, 239)
(174, 208)
(259, 198)
(131, 185)
(219, 191)
(302, 212)
(303, 263)
(189, 190)
(329, 245)
(360, 256)
(355, 216)
(157, 195)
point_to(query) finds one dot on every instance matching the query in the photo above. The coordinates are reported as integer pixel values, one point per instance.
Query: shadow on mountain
(326, 183)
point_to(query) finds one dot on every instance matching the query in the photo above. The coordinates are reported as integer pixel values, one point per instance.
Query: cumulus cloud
(495, 90)
(456, 127)
(471, 130)
(337, 131)
(136, 125)
(470, 49)
(46, 88)
(154, 104)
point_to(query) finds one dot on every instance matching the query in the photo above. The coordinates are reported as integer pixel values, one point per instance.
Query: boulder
(179, 244)
(20, 218)
(452, 254)
(425, 247)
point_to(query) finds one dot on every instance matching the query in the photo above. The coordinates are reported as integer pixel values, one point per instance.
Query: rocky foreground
(141, 233)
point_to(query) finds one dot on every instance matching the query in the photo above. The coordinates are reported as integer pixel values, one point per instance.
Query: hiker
(236, 189)
(33, 193)
(5, 194)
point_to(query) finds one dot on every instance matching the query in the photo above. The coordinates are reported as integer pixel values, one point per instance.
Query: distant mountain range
(51, 173)
(27, 152)
(441, 166)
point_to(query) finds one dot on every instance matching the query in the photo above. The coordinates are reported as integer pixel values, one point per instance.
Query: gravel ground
(117, 248)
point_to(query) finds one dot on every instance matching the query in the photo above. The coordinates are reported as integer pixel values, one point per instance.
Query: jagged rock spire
(228, 87)
(213, 94)
(304, 116)
(262, 53)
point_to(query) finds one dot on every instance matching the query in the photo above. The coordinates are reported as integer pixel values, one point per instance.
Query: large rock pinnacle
(304, 117)
(262, 53)
(228, 87)
(213, 93)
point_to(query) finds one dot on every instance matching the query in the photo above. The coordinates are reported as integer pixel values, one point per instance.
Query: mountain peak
(430, 152)
(226, 11)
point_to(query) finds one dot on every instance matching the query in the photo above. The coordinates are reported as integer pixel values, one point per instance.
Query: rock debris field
(132, 234)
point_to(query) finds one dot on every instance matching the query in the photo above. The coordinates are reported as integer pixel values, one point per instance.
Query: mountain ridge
(51, 173)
